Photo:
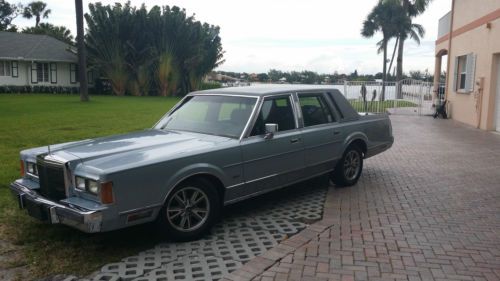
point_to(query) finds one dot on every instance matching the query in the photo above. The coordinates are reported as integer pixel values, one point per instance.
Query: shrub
(38, 89)
(209, 85)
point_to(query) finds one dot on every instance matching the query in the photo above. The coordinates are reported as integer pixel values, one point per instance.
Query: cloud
(318, 35)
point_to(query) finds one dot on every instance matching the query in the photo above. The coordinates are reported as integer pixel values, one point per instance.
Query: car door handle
(336, 133)
(295, 140)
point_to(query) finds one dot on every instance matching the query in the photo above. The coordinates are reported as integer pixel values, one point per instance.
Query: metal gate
(413, 97)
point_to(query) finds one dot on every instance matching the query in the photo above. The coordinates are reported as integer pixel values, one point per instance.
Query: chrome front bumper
(46, 210)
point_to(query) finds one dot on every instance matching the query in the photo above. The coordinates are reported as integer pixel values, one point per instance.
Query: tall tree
(82, 55)
(38, 10)
(8, 12)
(382, 19)
(163, 49)
(58, 32)
(412, 8)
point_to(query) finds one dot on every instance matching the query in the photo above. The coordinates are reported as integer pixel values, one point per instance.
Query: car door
(275, 162)
(321, 134)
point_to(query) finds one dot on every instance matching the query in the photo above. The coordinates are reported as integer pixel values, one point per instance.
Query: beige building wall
(476, 29)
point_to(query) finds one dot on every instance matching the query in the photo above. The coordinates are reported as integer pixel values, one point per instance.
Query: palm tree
(412, 8)
(58, 32)
(82, 55)
(383, 18)
(37, 9)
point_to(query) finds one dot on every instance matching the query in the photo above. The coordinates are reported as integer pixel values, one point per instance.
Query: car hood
(139, 141)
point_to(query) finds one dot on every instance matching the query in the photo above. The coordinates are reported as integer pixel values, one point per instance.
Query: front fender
(193, 170)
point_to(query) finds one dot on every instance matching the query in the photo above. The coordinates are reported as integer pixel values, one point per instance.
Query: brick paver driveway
(428, 209)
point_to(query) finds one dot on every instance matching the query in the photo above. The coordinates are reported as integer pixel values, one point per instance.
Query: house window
(15, 69)
(462, 72)
(73, 73)
(42, 72)
(53, 73)
(465, 67)
(5, 68)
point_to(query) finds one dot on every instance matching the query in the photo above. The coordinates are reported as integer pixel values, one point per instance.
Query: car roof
(263, 90)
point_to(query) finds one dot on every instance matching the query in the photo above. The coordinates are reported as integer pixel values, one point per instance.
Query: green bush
(210, 85)
(42, 89)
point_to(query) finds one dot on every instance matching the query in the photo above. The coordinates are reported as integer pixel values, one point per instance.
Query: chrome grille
(51, 179)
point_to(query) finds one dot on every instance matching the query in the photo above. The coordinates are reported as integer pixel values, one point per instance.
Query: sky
(259, 35)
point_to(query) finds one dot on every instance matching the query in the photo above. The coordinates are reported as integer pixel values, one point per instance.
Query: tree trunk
(393, 54)
(37, 21)
(384, 76)
(399, 67)
(82, 55)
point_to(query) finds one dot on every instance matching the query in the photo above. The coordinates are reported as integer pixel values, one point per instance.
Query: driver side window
(276, 110)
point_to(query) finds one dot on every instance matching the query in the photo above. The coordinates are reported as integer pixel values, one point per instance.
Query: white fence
(409, 97)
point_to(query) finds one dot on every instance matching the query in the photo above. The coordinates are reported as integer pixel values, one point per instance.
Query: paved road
(428, 209)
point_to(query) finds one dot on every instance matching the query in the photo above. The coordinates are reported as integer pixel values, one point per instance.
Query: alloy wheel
(352, 165)
(188, 209)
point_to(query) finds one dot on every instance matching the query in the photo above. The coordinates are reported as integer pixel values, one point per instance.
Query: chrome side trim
(298, 111)
(139, 209)
(255, 114)
(251, 119)
(272, 189)
(222, 94)
(272, 156)
(290, 171)
(53, 216)
(254, 180)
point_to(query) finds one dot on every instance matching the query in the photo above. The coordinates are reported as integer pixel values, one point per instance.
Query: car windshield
(213, 115)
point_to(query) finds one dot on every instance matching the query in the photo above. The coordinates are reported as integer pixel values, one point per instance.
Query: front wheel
(190, 210)
(349, 167)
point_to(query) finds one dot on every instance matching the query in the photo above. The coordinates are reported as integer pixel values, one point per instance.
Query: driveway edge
(261, 263)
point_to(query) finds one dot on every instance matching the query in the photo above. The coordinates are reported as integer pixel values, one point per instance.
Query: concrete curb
(260, 264)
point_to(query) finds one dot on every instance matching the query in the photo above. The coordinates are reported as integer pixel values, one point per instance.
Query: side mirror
(270, 130)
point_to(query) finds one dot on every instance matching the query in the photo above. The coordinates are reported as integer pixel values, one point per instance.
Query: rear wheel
(349, 168)
(190, 210)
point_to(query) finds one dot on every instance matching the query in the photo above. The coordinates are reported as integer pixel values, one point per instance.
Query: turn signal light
(107, 193)
(22, 168)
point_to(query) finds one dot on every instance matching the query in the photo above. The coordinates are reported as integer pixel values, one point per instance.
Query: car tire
(349, 167)
(190, 210)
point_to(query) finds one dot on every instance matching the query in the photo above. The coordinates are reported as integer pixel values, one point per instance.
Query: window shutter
(470, 72)
(34, 77)
(455, 75)
(72, 73)
(15, 69)
(53, 73)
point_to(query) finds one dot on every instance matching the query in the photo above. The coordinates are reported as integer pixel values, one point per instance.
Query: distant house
(37, 60)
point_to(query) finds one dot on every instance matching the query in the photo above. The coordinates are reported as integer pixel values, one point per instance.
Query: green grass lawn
(36, 120)
(379, 106)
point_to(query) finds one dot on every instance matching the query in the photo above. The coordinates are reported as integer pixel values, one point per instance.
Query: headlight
(80, 183)
(92, 187)
(88, 185)
(31, 168)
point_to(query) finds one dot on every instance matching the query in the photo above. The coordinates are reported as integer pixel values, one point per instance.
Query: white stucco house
(37, 60)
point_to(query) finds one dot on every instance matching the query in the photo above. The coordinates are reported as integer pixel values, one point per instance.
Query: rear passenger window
(275, 111)
(315, 110)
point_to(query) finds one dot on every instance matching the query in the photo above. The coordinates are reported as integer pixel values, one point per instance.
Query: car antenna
(49, 148)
